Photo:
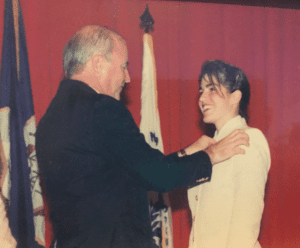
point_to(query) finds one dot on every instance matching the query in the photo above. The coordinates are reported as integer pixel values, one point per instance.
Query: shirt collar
(73, 83)
(235, 123)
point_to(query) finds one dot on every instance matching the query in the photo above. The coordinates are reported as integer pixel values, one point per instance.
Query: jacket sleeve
(249, 188)
(152, 169)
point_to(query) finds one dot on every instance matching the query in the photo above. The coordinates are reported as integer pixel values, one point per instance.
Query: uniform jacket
(227, 211)
(97, 169)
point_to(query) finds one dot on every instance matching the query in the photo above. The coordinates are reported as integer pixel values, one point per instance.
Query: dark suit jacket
(97, 169)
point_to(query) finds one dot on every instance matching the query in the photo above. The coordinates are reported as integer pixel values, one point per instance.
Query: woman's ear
(236, 97)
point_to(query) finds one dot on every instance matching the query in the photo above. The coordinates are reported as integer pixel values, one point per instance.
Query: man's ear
(236, 97)
(98, 63)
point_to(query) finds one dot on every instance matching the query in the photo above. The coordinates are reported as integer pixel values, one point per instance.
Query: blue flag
(19, 178)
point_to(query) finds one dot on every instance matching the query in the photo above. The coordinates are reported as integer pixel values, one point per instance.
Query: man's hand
(228, 146)
(199, 145)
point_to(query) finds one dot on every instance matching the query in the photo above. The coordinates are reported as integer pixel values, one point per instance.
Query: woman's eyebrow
(206, 86)
(210, 84)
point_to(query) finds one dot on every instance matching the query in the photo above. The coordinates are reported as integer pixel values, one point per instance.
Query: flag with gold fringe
(19, 176)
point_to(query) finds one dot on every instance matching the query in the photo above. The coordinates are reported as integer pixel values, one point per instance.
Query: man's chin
(117, 95)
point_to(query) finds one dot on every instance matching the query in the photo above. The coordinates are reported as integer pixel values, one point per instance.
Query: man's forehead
(120, 52)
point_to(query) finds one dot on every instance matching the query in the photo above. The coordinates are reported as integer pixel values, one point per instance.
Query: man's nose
(127, 76)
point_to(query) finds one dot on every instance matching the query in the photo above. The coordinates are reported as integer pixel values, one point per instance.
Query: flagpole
(16, 27)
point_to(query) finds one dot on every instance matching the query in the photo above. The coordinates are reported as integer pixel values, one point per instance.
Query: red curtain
(264, 42)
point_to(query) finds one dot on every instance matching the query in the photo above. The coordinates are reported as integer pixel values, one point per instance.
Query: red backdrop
(264, 42)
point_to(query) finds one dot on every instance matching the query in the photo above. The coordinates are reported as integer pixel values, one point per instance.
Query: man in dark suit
(95, 163)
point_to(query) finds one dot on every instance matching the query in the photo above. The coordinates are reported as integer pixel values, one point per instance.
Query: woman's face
(215, 102)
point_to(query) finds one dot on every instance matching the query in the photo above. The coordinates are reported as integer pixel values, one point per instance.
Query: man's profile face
(117, 73)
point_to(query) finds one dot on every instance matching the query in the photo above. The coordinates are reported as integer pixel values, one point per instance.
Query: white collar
(235, 123)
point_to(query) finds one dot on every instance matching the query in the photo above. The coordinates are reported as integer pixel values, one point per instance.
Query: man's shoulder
(108, 106)
(78, 94)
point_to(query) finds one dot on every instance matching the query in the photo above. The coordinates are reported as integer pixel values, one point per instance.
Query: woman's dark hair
(232, 78)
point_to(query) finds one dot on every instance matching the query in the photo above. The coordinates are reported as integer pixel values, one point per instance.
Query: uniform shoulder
(258, 144)
(256, 136)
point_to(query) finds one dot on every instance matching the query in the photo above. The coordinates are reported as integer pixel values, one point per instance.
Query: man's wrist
(182, 153)
(210, 154)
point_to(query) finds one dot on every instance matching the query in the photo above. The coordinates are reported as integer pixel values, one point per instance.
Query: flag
(160, 214)
(19, 177)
